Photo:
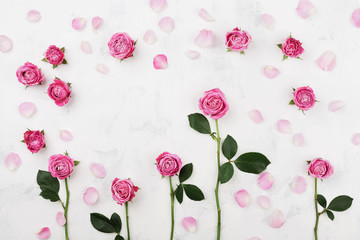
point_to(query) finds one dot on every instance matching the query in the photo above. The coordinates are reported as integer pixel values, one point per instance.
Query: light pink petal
(27, 109)
(205, 15)
(336, 105)
(256, 116)
(12, 161)
(96, 22)
(298, 185)
(166, 24)
(242, 197)
(189, 223)
(265, 180)
(5, 43)
(33, 16)
(205, 38)
(85, 47)
(160, 61)
(263, 202)
(271, 72)
(102, 68)
(98, 170)
(356, 139)
(44, 233)
(356, 18)
(254, 238)
(91, 196)
(192, 54)
(149, 37)
(157, 5)
(65, 135)
(327, 61)
(276, 219)
(268, 21)
(60, 218)
(283, 126)
(78, 23)
(298, 139)
(305, 9)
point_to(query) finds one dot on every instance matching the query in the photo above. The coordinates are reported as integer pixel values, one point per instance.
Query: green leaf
(279, 45)
(185, 172)
(118, 237)
(330, 215)
(193, 192)
(226, 172)
(63, 49)
(64, 61)
(43, 132)
(50, 195)
(179, 193)
(76, 163)
(229, 147)
(292, 102)
(340, 203)
(116, 221)
(23, 141)
(321, 200)
(102, 223)
(44, 60)
(199, 123)
(252, 162)
(47, 182)
(284, 57)
(55, 66)
(228, 50)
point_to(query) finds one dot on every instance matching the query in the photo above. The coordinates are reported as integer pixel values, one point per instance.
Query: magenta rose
(60, 166)
(34, 140)
(60, 92)
(55, 55)
(123, 190)
(237, 40)
(121, 46)
(292, 48)
(29, 74)
(214, 103)
(320, 168)
(168, 164)
(304, 98)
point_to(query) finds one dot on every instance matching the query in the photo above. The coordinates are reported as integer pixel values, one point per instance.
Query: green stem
(218, 139)
(316, 212)
(66, 209)
(127, 220)
(172, 209)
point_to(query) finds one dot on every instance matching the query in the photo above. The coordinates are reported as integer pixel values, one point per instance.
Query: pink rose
(237, 40)
(168, 164)
(29, 74)
(60, 92)
(304, 98)
(54, 55)
(214, 103)
(34, 140)
(121, 46)
(60, 166)
(292, 48)
(320, 168)
(123, 190)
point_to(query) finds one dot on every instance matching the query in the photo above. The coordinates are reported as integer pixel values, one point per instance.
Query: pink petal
(149, 37)
(27, 109)
(166, 24)
(85, 47)
(336, 105)
(44, 233)
(65, 135)
(192, 54)
(254, 238)
(78, 23)
(157, 5)
(205, 15)
(33, 16)
(256, 116)
(98, 170)
(268, 21)
(298, 139)
(12, 161)
(283, 126)
(327, 61)
(205, 38)
(298, 185)
(91, 196)
(160, 61)
(96, 22)
(356, 139)
(189, 223)
(271, 72)
(356, 18)
(5, 43)
(265, 180)
(60, 218)
(242, 197)
(305, 9)
(102, 68)
(263, 202)
(276, 219)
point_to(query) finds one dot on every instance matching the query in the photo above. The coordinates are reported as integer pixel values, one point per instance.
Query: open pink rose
(60, 92)
(123, 190)
(214, 103)
(320, 168)
(29, 74)
(237, 40)
(292, 48)
(54, 55)
(121, 46)
(34, 140)
(168, 164)
(60, 166)
(304, 98)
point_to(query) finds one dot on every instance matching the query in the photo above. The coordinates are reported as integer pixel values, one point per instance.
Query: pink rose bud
(29, 74)
(60, 166)
(214, 103)
(304, 98)
(123, 190)
(34, 140)
(292, 48)
(320, 168)
(121, 46)
(60, 92)
(54, 55)
(237, 40)
(168, 164)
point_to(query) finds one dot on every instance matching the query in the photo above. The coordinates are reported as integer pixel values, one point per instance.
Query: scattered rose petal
(5, 43)
(356, 139)
(60, 218)
(268, 21)
(189, 223)
(283, 126)
(33, 16)
(336, 105)
(102, 68)
(98, 170)
(65, 135)
(254, 238)
(192, 54)
(327, 61)
(263, 202)
(166, 24)
(157, 5)
(160, 61)
(91, 196)
(78, 23)
(96, 22)
(356, 18)
(256, 116)
(305, 9)
(44, 233)
(271, 72)
(205, 38)
(85, 47)
(298, 185)
(276, 219)
(149, 37)
(205, 15)
(242, 197)
(298, 139)
(265, 180)
(27, 109)
(12, 161)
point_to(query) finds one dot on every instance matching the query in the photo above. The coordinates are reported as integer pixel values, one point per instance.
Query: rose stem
(66, 209)
(127, 220)
(316, 211)
(218, 139)
(172, 209)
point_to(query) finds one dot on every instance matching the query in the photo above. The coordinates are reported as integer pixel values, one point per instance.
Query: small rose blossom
(320, 168)
(214, 103)
(29, 74)
(304, 98)
(121, 46)
(168, 164)
(34, 140)
(123, 190)
(292, 48)
(54, 55)
(237, 40)
(60, 166)
(60, 92)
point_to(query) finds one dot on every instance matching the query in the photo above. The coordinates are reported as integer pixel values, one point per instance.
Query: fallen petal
(160, 61)
(327, 61)
(356, 139)
(91, 196)
(166, 24)
(298, 139)
(85, 47)
(271, 72)
(5, 43)
(12, 161)
(192, 54)
(189, 223)
(305, 9)
(44, 233)
(276, 219)
(265, 180)
(298, 185)
(98, 170)
(60, 218)
(242, 197)
(157, 5)
(263, 202)
(336, 105)
(283, 126)
(27, 109)
(149, 37)
(268, 21)
(205, 38)
(102, 68)
(65, 135)
(96, 22)
(205, 15)
(33, 16)
(78, 23)
(256, 116)
(356, 18)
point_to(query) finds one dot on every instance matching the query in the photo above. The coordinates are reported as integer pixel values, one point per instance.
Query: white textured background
(128, 117)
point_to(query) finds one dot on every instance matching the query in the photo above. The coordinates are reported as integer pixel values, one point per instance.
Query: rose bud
(55, 56)
(320, 168)
(60, 166)
(214, 103)
(29, 74)
(60, 92)
(237, 40)
(123, 190)
(168, 164)
(34, 140)
(121, 46)
(291, 48)
(304, 98)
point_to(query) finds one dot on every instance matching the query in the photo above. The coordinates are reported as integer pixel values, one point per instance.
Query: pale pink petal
(271, 72)
(78, 23)
(265, 180)
(189, 223)
(276, 219)
(192, 54)
(5, 43)
(327, 61)
(27, 109)
(166, 24)
(305, 9)
(254, 238)
(149, 37)
(12, 161)
(336, 105)
(33, 16)
(356, 18)
(256, 116)
(91, 196)
(263, 202)
(283, 126)
(96, 22)
(102, 68)
(65, 135)
(356, 139)
(268, 21)
(160, 61)
(44, 233)
(205, 15)
(298, 139)
(60, 218)
(85, 47)
(157, 5)
(98, 170)
(242, 197)
(205, 38)
(298, 185)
